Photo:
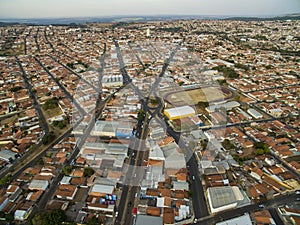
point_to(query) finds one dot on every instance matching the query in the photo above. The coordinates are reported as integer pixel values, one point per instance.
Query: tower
(148, 32)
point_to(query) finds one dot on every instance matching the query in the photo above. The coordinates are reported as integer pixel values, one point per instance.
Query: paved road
(198, 196)
(44, 125)
(136, 55)
(36, 39)
(80, 109)
(33, 96)
(276, 216)
(76, 74)
(49, 194)
(46, 38)
(135, 173)
(199, 202)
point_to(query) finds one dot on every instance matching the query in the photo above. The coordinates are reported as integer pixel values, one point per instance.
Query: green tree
(66, 170)
(93, 221)
(54, 217)
(203, 105)
(50, 104)
(141, 114)
(259, 151)
(2, 214)
(88, 172)
(15, 89)
(6, 179)
(261, 148)
(9, 217)
(227, 71)
(48, 138)
(237, 98)
(227, 144)
(153, 101)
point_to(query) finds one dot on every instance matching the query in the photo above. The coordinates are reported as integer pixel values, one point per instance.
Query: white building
(179, 112)
(245, 220)
(255, 114)
(112, 81)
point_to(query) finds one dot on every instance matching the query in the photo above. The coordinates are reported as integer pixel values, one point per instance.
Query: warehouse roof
(245, 220)
(38, 185)
(7, 154)
(223, 196)
(227, 106)
(179, 111)
(148, 220)
(254, 113)
(106, 189)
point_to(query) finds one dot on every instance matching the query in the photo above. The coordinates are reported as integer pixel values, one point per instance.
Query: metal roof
(38, 184)
(106, 189)
(245, 220)
(148, 220)
(180, 111)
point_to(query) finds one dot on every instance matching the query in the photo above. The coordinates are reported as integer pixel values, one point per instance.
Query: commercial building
(148, 220)
(8, 155)
(245, 220)
(38, 185)
(112, 81)
(227, 106)
(112, 129)
(102, 190)
(223, 198)
(255, 114)
(179, 112)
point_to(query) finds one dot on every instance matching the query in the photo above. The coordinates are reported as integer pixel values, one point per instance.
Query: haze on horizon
(94, 8)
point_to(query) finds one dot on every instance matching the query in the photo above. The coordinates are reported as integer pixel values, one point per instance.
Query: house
(3, 202)
(24, 211)
(66, 191)
(276, 112)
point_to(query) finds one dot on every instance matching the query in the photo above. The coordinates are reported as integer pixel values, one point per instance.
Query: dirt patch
(192, 97)
(80, 194)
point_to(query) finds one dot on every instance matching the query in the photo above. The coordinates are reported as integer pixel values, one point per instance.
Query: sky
(93, 8)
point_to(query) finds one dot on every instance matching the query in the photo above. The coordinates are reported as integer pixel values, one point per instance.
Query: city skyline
(93, 8)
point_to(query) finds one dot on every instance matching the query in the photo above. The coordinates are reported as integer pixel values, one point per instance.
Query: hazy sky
(81, 8)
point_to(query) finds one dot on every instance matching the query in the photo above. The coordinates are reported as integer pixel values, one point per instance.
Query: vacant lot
(82, 192)
(192, 97)
(49, 113)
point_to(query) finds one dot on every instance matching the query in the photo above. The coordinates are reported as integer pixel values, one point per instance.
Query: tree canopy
(54, 217)
(50, 104)
(88, 172)
(261, 148)
(227, 71)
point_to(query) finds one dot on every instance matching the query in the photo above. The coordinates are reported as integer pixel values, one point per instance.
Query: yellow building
(179, 112)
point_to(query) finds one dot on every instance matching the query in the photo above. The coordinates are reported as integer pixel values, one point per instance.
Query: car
(297, 192)
(261, 206)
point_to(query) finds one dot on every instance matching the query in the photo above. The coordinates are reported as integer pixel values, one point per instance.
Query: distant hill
(6, 24)
(294, 16)
(111, 19)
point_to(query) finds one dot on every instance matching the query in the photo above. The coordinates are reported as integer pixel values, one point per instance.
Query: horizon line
(151, 15)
